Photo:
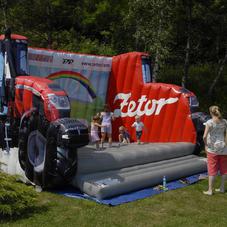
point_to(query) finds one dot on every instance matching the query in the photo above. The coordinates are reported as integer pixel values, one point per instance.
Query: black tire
(199, 144)
(36, 152)
(22, 146)
(2, 135)
(60, 166)
(199, 118)
(49, 175)
(44, 163)
(27, 127)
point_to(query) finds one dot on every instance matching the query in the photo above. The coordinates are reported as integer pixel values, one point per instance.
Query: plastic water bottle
(164, 183)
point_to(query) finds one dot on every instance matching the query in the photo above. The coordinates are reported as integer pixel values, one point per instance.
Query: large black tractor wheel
(44, 160)
(2, 135)
(63, 138)
(199, 146)
(61, 162)
(199, 118)
(36, 152)
(26, 128)
(49, 157)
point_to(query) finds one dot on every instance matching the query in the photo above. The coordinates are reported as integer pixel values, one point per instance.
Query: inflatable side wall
(163, 108)
(83, 77)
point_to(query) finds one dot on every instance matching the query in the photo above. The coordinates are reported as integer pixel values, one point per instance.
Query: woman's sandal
(207, 192)
(219, 190)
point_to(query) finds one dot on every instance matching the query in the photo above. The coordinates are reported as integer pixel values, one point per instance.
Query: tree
(188, 5)
(152, 28)
(219, 15)
(3, 5)
(69, 25)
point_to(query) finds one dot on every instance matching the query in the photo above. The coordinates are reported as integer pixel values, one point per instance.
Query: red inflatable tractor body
(35, 118)
(165, 109)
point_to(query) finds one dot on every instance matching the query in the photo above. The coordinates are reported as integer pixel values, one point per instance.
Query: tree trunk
(157, 57)
(186, 64)
(184, 81)
(49, 32)
(156, 67)
(4, 9)
(219, 74)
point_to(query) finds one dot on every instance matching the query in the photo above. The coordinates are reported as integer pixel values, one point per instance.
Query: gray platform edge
(90, 160)
(134, 167)
(140, 178)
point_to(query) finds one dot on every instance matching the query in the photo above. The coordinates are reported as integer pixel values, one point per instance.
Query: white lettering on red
(135, 108)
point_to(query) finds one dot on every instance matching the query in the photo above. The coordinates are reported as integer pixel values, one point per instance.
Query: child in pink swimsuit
(95, 131)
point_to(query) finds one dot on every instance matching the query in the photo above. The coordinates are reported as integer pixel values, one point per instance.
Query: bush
(15, 198)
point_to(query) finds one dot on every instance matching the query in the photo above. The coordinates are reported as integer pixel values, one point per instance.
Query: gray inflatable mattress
(115, 171)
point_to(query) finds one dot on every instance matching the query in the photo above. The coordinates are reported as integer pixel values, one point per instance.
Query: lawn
(181, 207)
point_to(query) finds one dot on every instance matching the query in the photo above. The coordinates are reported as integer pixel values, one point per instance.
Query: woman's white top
(216, 136)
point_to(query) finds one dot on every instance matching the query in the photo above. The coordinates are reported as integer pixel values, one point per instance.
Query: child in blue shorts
(123, 136)
(139, 128)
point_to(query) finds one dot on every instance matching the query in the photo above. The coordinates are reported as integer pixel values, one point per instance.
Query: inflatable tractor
(35, 117)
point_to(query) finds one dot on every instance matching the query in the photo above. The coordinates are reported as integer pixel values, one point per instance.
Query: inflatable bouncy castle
(124, 82)
(87, 82)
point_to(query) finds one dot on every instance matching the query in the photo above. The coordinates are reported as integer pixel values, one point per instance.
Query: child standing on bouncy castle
(106, 130)
(214, 139)
(139, 128)
(95, 131)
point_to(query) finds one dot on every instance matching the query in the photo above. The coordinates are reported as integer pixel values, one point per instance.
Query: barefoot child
(106, 130)
(139, 128)
(95, 131)
(123, 135)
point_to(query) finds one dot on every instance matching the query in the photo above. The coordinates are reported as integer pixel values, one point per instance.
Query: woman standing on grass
(215, 147)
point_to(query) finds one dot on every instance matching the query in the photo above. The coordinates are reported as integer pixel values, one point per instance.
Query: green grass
(181, 207)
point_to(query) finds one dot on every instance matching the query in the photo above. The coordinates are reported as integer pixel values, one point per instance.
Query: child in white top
(139, 128)
(106, 130)
(95, 131)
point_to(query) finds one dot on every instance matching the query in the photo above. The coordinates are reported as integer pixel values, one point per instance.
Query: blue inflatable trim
(141, 194)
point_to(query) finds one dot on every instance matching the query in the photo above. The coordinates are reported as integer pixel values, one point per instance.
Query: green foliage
(208, 35)
(152, 26)
(68, 41)
(200, 78)
(112, 27)
(62, 24)
(15, 198)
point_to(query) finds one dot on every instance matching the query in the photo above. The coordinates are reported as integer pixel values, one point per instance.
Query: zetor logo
(150, 106)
